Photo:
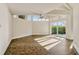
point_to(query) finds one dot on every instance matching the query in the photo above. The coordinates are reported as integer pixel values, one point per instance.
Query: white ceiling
(35, 8)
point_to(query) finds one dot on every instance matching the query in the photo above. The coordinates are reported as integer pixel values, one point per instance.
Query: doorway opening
(58, 26)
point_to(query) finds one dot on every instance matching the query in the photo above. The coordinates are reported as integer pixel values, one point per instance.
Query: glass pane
(61, 30)
(35, 18)
(54, 29)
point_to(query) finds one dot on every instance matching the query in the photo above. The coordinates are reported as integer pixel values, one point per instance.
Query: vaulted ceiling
(37, 8)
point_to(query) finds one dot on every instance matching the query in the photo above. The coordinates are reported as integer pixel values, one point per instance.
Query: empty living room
(39, 28)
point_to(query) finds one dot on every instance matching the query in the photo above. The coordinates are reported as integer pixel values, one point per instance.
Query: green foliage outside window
(54, 30)
(61, 29)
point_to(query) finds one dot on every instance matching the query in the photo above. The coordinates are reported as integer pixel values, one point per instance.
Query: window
(58, 27)
(37, 18)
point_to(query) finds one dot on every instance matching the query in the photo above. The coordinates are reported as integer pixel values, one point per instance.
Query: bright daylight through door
(57, 26)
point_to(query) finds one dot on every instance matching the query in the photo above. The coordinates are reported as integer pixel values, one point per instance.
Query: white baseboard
(4, 50)
(77, 49)
(40, 34)
(20, 36)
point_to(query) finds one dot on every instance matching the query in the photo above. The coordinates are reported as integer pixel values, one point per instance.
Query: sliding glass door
(58, 28)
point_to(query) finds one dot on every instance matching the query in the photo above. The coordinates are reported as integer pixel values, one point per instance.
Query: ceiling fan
(42, 16)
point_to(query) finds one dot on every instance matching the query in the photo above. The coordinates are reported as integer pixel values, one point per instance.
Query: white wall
(69, 29)
(5, 28)
(21, 28)
(76, 27)
(40, 28)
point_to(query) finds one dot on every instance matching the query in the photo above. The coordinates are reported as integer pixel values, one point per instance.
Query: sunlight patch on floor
(52, 45)
(48, 42)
